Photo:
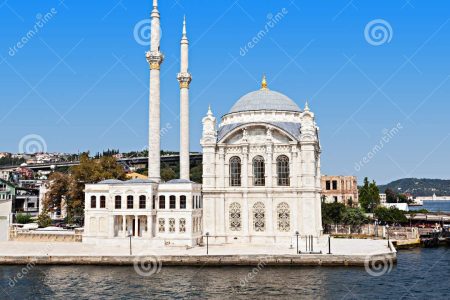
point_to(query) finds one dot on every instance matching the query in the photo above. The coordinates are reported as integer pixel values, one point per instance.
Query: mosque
(261, 174)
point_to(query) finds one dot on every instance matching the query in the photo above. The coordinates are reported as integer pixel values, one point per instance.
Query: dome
(264, 99)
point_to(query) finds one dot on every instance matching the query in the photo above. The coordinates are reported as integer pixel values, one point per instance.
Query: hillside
(419, 187)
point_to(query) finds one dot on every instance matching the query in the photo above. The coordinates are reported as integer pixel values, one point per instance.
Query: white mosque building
(261, 174)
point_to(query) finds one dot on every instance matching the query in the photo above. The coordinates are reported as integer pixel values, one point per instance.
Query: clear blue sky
(81, 81)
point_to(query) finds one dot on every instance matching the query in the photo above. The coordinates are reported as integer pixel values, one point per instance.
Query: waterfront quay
(344, 252)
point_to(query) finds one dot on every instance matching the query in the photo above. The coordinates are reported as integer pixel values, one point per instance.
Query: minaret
(154, 58)
(185, 79)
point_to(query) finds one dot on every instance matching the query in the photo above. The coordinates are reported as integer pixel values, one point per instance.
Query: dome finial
(209, 113)
(306, 106)
(264, 83)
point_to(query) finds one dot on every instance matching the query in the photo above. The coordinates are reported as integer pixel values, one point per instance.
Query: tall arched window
(182, 202)
(93, 202)
(102, 201)
(259, 217)
(118, 202)
(283, 170)
(235, 171)
(130, 200)
(162, 202)
(284, 214)
(172, 202)
(235, 217)
(142, 199)
(258, 171)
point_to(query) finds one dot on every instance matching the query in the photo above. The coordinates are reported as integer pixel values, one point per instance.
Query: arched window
(142, 199)
(235, 171)
(102, 201)
(172, 202)
(183, 202)
(130, 200)
(235, 217)
(283, 170)
(259, 217)
(162, 202)
(258, 171)
(93, 202)
(284, 220)
(118, 202)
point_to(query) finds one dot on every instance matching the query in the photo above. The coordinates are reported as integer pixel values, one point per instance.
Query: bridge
(136, 162)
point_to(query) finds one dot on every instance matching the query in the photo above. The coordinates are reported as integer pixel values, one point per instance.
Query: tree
(390, 215)
(332, 213)
(196, 174)
(374, 193)
(71, 186)
(354, 217)
(44, 219)
(167, 174)
(391, 196)
(364, 195)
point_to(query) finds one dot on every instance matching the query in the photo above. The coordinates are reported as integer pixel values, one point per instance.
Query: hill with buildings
(419, 187)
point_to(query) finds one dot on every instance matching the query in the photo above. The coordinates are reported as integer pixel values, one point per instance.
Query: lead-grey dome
(264, 99)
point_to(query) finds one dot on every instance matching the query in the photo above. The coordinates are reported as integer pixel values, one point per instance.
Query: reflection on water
(433, 206)
(420, 273)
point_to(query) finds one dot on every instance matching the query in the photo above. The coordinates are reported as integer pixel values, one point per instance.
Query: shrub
(23, 218)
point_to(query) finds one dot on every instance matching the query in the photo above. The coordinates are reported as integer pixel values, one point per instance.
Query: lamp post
(207, 243)
(387, 232)
(296, 233)
(130, 234)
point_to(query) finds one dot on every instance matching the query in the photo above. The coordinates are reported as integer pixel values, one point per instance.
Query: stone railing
(45, 236)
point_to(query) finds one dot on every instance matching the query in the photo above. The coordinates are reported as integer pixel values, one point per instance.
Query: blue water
(419, 274)
(433, 206)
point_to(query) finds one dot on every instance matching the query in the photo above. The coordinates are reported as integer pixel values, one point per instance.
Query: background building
(342, 189)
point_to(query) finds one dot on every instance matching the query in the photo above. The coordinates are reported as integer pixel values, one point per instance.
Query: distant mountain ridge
(419, 187)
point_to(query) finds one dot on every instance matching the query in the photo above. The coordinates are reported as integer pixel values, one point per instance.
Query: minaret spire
(184, 78)
(155, 59)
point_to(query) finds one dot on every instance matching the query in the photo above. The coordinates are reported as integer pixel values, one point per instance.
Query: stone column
(124, 226)
(136, 223)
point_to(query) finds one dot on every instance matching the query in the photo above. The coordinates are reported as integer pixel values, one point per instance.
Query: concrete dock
(344, 252)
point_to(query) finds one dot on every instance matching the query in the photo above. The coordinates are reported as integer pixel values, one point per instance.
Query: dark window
(102, 201)
(154, 202)
(162, 202)
(328, 186)
(235, 171)
(182, 202)
(142, 201)
(258, 171)
(130, 200)
(283, 170)
(118, 202)
(93, 202)
(172, 202)
(334, 184)
(193, 202)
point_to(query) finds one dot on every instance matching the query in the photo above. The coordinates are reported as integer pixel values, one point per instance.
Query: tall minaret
(154, 58)
(185, 79)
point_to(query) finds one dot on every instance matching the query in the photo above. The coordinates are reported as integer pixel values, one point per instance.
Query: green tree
(391, 196)
(390, 215)
(332, 213)
(364, 195)
(354, 217)
(44, 219)
(167, 174)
